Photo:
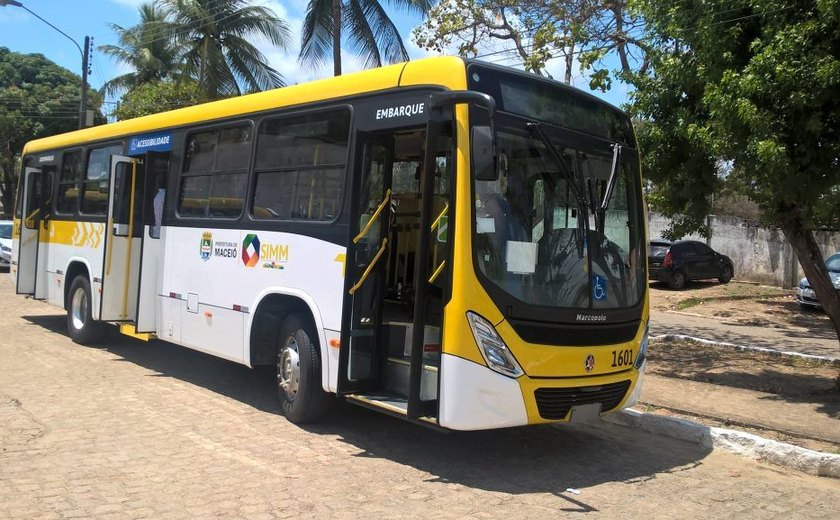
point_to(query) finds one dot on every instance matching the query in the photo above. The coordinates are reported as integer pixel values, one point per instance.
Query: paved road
(131, 430)
(822, 342)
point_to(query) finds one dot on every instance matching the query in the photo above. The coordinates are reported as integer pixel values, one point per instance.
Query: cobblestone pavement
(131, 430)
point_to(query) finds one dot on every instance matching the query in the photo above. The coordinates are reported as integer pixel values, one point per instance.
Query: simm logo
(250, 250)
(271, 255)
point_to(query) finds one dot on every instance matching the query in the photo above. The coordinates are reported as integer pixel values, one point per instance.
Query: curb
(822, 360)
(741, 443)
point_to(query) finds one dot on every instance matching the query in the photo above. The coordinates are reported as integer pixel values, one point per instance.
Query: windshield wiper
(617, 148)
(535, 128)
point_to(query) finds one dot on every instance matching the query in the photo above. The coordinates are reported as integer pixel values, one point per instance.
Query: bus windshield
(553, 230)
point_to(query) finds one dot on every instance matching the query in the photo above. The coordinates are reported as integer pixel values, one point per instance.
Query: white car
(805, 294)
(5, 243)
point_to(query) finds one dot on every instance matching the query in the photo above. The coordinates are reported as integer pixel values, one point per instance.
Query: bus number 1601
(622, 357)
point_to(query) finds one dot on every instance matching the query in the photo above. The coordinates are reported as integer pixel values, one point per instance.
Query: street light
(85, 57)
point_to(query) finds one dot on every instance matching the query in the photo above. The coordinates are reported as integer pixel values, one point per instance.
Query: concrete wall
(759, 254)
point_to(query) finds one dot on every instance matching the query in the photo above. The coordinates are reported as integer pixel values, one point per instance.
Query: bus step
(391, 404)
(397, 404)
(130, 330)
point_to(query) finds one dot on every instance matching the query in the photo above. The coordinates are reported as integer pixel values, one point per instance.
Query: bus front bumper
(473, 397)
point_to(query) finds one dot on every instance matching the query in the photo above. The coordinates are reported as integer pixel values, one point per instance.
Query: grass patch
(697, 300)
(689, 303)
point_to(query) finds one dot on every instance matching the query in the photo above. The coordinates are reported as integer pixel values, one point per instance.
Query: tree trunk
(570, 57)
(336, 37)
(812, 262)
(8, 183)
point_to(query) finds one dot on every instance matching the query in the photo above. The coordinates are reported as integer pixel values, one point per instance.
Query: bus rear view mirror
(483, 154)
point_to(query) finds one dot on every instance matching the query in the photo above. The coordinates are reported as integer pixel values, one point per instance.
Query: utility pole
(85, 72)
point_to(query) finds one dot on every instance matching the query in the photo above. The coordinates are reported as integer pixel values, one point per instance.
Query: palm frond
(316, 33)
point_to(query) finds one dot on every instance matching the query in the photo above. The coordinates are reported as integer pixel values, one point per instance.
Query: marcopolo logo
(250, 250)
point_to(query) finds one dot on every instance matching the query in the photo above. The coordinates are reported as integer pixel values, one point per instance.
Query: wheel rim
(78, 309)
(288, 369)
(679, 279)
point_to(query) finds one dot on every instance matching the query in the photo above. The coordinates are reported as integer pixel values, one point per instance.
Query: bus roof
(446, 71)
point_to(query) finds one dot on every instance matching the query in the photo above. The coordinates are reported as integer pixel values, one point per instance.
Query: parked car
(5, 243)
(805, 294)
(678, 262)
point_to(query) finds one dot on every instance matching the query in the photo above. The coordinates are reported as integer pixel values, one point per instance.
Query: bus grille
(555, 403)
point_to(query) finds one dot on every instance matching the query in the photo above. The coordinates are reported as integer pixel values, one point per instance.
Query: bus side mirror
(484, 154)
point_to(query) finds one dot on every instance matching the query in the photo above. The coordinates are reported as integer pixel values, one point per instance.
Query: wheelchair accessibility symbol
(599, 288)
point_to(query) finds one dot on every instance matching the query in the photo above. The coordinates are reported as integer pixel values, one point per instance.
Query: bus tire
(298, 372)
(83, 329)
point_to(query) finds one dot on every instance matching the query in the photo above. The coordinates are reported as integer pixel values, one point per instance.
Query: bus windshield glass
(552, 230)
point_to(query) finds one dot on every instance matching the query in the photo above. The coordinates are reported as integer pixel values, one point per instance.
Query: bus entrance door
(34, 198)
(123, 241)
(360, 357)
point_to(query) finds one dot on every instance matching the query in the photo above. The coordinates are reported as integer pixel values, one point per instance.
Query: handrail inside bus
(373, 218)
(369, 268)
(437, 272)
(436, 223)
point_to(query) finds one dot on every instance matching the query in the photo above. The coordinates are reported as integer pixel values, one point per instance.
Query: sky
(22, 32)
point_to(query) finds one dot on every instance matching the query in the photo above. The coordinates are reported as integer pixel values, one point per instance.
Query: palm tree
(145, 48)
(370, 31)
(215, 37)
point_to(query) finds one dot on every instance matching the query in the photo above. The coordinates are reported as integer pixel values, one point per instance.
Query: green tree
(749, 88)
(369, 31)
(37, 99)
(532, 32)
(215, 38)
(159, 96)
(145, 48)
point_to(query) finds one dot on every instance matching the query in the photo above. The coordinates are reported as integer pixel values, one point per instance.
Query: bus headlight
(643, 346)
(493, 349)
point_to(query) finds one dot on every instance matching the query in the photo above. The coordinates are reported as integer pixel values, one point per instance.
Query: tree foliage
(145, 48)
(752, 85)
(532, 32)
(209, 41)
(37, 98)
(369, 31)
(215, 37)
(159, 96)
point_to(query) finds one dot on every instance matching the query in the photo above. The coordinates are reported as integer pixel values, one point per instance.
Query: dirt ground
(739, 302)
(783, 376)
(791, 379)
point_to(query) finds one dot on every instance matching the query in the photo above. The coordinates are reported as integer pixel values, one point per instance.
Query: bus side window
(97, 180)
(300, 167)
(215, 174)
(68, 183)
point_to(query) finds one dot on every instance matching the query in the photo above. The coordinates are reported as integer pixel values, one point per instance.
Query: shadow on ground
(788, 379)
(539, 459)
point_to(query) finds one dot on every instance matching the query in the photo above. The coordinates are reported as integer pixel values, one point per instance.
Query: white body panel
(210, 263)
(151, 260)
(473, 397)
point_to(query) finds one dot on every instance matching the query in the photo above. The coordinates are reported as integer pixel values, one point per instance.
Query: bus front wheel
(299, 372)
(83, 329)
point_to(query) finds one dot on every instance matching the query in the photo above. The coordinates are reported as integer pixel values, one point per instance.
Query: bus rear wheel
(298, 372)
(83, 329)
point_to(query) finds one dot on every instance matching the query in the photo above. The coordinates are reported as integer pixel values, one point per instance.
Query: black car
(684, 260)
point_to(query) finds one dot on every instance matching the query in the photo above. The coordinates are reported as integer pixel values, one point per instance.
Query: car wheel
(725, 275)
(677, 280)
(298, 372)
(83, 329)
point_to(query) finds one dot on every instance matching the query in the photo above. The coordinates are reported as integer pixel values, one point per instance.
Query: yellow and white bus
(448, 241)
